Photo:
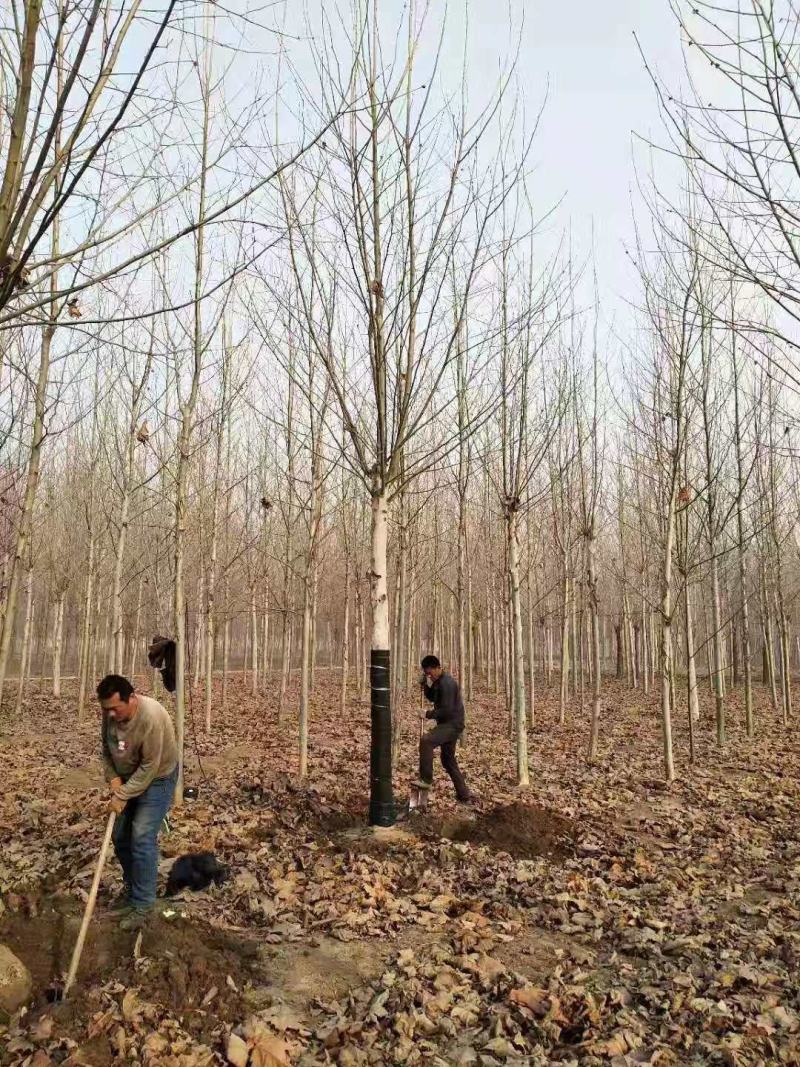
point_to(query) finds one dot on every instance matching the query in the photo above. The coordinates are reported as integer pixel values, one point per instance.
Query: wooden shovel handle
(87, 915)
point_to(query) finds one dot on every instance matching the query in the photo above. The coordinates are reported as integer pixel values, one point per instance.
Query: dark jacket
(161, 655)
(445, 695)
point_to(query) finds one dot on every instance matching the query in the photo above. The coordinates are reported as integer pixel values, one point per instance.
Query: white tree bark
(27, 643)
(58, 642)
(520, 719)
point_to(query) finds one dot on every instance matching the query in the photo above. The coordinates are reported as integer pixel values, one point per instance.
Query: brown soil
(180, 961)
(523, 830)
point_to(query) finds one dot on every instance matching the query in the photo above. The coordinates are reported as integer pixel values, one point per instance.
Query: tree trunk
(226, 645)
(345, 641)
(691, 666)
(211, 578)
(398, 658)
(254, 639)
(562, 703)
(531, 662)
(305, 671)
(666, 649)
(719, 695)
(470, 640)
(58, 640)
(285, 635)
(119, 561)
(137, 625)
(25, 653)
(83, 670)
(784, 645)
(24, 530)
(518, 674)
(266, 659)
(198, 668)
(594, 642)
(359, 638)
(179, 600)
(381, 808)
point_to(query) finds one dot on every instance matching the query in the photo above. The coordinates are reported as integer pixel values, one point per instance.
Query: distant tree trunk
(226, 646)
(716, 611)
(565, 593)
(620, 651)
(137, 627)
(199, 651)
(360, 654)
(27, 643)
(266, 664)
(24, 529)
(345, 640)
(58, 642)
(768, 673)
(305, 674)
(594, 639)
(491, 660)
(86, 626)
(399, 654)
(531, 662)
(253, 640)
(691, 667)
(470, 641)
(666, 648)
(520, 720)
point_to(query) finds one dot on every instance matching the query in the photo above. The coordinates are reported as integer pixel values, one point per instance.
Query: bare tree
(374, 294)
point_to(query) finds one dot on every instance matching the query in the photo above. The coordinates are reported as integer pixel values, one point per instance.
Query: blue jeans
(135, 839)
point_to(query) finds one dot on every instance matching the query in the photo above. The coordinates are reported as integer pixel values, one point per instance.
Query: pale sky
(600, 96)
(582, 55)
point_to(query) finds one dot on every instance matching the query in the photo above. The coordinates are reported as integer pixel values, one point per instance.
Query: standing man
(443, 691)
(140, 759)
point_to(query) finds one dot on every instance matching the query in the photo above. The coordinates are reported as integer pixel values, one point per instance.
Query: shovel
(87, 915)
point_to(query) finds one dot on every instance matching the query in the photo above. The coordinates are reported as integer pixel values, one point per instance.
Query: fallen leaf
(131, 1006)
(270, 1052)
(531, 997)
(237, 1051)
(43, 1028)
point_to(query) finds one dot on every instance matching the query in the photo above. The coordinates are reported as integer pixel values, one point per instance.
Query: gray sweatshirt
(141, 749)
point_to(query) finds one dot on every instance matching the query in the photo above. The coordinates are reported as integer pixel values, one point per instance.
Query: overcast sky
(599, 95)
(581, 55)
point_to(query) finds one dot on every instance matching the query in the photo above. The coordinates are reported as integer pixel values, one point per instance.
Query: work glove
(115, 784)
(117, 804)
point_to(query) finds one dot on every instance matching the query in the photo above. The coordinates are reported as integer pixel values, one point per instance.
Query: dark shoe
(135, 918)
(467, 800)
(121, 903)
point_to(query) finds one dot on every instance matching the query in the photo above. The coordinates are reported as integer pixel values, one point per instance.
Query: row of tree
(357, 409)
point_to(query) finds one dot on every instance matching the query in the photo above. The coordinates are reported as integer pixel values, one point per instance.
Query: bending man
(140, 759)
(443, 691)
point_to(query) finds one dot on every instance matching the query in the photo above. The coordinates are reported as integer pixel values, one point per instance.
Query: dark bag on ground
(195, 871)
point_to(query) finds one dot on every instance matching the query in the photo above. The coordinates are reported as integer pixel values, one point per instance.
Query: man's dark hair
(114, 683)
(430, 661)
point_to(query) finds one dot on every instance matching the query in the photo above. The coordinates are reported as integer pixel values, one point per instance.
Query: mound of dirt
(523, 830)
